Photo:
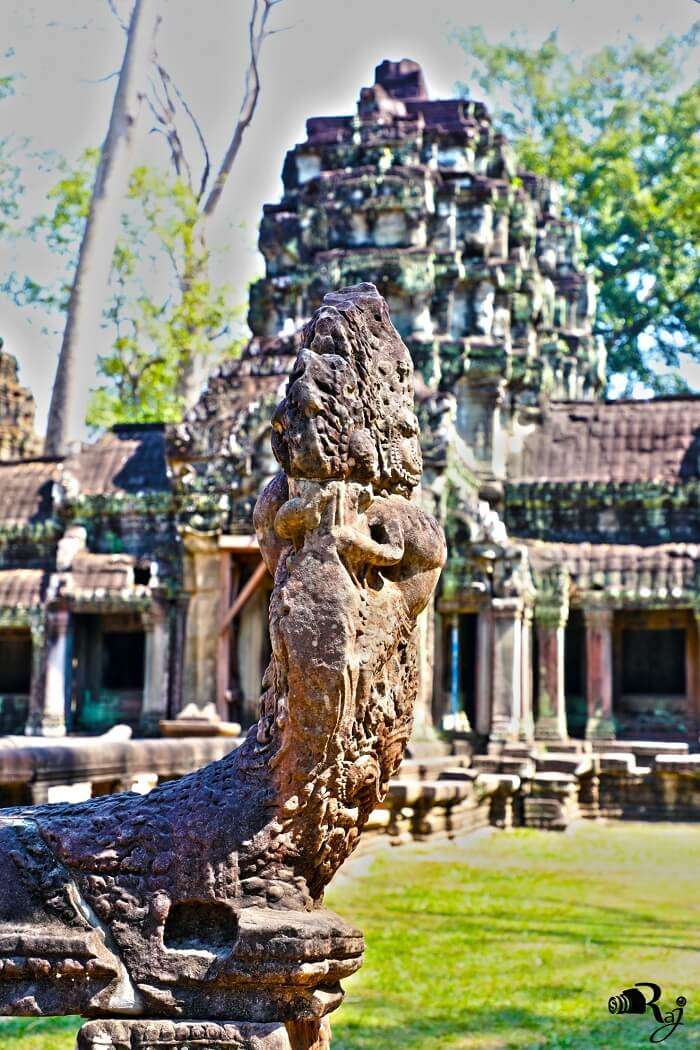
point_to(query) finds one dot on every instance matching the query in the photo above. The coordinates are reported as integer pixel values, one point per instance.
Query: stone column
(527, 719)
(599, 673)
(484, 670)
(38, 670)
(202, 585)
(156, 671)
(551, 698)
(52, 719)
(507, 669)
(423, 728)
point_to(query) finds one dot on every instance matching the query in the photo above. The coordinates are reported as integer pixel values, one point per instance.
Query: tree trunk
(193, 370)
(88, 293)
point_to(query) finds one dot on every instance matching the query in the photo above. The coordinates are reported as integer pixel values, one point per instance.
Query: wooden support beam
(239, 544)
(243, 595)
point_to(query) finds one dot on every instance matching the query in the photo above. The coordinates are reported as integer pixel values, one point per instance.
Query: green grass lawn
(508, 940)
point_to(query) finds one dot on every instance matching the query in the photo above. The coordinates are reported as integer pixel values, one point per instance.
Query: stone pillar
(156, 671)
(423, 728)
(599, 673)
(202, 585)
(551, 698)
(527, 719)
(38, 670)
(507, 669)
(52, 718)
(484, 670)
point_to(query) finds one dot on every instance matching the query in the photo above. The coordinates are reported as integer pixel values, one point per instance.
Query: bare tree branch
(165, 113)
(113, 8)
(257, 31)
(168, 81)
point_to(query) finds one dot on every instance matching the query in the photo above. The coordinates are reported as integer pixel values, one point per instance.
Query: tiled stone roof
(26, 491)
(667, 570)
(22, 588)
(126, 459)
(102, 572)
(615, 441)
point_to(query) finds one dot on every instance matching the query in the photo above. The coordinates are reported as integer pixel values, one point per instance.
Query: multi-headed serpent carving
(203, 898)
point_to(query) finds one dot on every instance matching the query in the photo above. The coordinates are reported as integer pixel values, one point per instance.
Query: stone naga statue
(193, 916)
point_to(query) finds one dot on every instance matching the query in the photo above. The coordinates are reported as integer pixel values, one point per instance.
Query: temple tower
(482, 272)
(18, 439)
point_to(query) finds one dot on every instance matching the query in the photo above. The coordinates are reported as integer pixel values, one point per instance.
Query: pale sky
(328, 51)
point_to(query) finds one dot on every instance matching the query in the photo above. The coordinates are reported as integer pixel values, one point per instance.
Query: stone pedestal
(203, 1035)
(507, 669)
(157, 663)
(599, 674)
(551, 718)
(51, 719)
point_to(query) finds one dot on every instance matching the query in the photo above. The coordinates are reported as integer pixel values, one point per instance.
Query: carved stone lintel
(204, 1035)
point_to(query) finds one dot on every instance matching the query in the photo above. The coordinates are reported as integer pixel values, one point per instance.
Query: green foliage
(60, 228)
(11, 187)
(160, 338)
(620, 132)
(167, 317)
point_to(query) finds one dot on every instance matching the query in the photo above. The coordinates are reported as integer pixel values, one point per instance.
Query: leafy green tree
(161, 337)
(162, 308)
(619, 130)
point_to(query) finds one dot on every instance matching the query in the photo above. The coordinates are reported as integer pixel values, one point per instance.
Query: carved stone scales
(193, 916)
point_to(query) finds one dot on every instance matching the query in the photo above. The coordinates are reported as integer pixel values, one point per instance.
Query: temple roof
(26, 491)
(128, 458)
(22, 588)
(102, 572)
(615, 441)
(665, 570)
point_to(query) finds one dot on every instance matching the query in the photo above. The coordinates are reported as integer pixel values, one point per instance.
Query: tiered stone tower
(18, 439)
(482, 273)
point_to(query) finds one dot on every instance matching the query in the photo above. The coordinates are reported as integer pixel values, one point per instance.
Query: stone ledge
(197, 1035)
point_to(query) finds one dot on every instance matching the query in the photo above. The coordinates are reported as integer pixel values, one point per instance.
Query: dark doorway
(651, 701)
(108, 662)
(653, 662)
(467, 664)
(15, 680)
(575, 674)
